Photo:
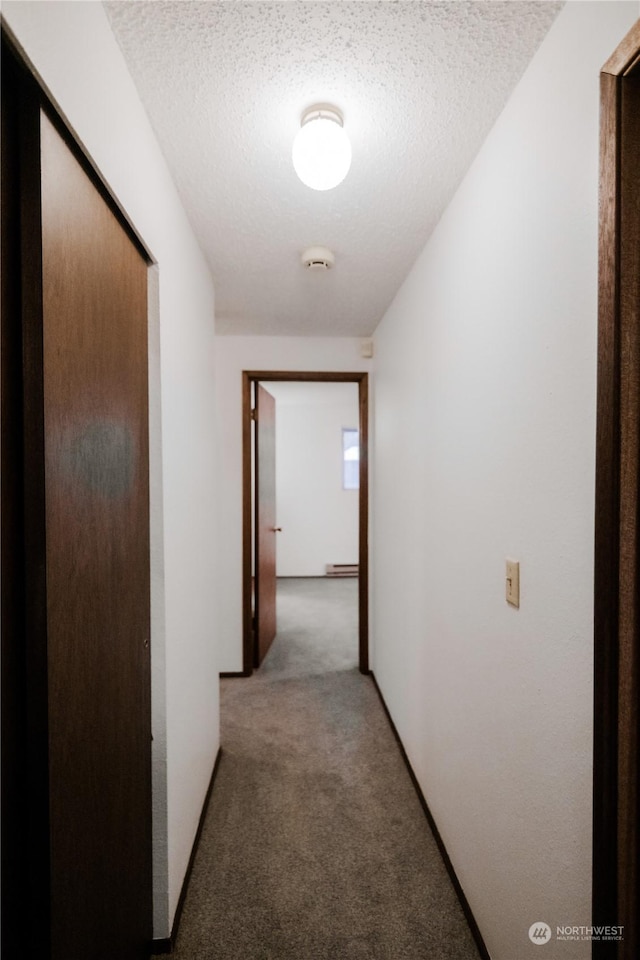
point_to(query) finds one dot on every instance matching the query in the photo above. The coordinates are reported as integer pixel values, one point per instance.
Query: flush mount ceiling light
(321, 150)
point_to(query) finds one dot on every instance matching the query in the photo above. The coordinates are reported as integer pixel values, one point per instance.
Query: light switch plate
(513, 583)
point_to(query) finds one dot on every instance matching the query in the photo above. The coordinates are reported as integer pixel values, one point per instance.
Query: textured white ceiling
(420, 84)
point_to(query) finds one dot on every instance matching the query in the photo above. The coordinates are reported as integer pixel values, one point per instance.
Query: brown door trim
(34, 82)
(25, 781)
(362, 379)
(616, 857)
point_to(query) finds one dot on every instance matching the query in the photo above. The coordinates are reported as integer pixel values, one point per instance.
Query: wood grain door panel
(97, 562)
(265, 598)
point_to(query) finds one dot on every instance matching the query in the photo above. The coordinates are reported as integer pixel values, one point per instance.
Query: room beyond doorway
(254, 617)
(317, 627)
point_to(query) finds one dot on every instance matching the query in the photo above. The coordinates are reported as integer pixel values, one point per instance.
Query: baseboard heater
(341, 570)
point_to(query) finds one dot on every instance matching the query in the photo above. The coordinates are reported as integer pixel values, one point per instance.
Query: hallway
(315, 846)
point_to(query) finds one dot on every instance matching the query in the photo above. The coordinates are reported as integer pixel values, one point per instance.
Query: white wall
(319, 519)
(485, 420)
(233, 355)
(74, 51)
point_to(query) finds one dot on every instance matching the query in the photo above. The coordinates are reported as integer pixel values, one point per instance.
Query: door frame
(362, 379)
(616, 797)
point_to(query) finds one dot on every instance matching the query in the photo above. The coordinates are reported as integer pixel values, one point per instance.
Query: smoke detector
(318, 258)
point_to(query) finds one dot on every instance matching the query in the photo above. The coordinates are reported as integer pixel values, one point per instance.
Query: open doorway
(306, 524)
(325, 536)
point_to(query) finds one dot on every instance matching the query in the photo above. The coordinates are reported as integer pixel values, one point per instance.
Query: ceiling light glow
(321, 150)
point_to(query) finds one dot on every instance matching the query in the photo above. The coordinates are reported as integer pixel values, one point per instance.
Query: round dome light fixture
(321, 150)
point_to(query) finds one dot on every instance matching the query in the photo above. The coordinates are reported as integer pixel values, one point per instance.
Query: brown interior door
(616, 795)
(96, 480)
(265, 546)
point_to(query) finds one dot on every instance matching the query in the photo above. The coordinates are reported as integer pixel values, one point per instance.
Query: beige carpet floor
(315, 846)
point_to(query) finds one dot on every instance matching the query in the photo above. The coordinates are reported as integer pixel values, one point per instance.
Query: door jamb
(362, 379)
(616, 839)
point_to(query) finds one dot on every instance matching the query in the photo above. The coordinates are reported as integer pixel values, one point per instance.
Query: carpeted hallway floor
(315, 846)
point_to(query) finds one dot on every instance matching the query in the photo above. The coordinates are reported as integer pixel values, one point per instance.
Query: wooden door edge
(247, 530)
(610, 796)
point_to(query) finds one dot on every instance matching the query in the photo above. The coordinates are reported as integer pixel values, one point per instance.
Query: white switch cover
(513, 583)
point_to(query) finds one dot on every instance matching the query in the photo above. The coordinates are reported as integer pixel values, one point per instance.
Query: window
(350, 459)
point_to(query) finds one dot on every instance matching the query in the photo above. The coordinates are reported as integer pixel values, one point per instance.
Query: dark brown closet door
(97, 568)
